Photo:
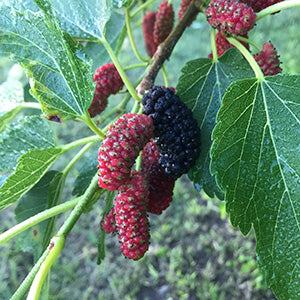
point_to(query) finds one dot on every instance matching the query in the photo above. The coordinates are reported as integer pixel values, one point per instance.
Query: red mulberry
(163, 22)
(120, 148)
(183, 7)
(268, 60)
(230, 16)
(131, 217)
(148, 28)
(109, 82)
(160, 184)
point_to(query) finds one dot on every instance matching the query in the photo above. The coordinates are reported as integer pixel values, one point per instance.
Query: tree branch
(165, 49)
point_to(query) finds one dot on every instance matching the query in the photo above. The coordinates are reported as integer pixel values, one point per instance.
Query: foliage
(249, 133)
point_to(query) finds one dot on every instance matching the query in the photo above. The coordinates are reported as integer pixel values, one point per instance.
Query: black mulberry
(177, 135)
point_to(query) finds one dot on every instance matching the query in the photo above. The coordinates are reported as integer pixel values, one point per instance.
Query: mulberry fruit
(183, 7)
(268, 60)
(131, 217)
(258, 5)
(148, 28)
(176, 132)
(160, 184)
(109, 223)
(230, 16)
(120, 148)
(163, 22)
(109, 82)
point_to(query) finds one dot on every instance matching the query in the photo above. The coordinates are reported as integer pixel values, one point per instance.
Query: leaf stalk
(258, 72)
(277, 7)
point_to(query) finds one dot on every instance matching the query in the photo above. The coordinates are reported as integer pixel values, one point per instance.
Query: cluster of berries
(234, 17)
(170, 147)
(157, 26)
(108, 82)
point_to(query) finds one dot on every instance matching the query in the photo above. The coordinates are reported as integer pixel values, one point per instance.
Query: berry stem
(120, 70)
(71, 164)
(277, 7)
(165, 75)
(116, 109)
(25, 285)
(44, 263)
(44, 215)
(87, 119)
(243, 39)
(213, 44)
(138, 162)
(80, 142)
(135, 107)
(57, 244)
(134, 66)
(258, 73)
(121, 106)
(77, 211)
(131, 39)
(142, 7)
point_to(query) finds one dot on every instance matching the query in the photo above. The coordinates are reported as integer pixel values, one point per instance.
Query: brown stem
(165, 49)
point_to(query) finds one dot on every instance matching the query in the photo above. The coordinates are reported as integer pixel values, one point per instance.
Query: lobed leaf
(61, 77)
(29, 133)
(256, 160)
(201, 87)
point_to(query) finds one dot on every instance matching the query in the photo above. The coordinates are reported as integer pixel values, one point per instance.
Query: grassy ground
(194, 253)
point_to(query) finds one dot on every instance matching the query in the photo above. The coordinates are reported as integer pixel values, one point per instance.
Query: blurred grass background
(195, 253)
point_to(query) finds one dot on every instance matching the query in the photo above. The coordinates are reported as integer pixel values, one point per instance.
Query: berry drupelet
(230, 16)
(119, 150)
(148, 28)
(163, 23)
(131, 216)
(161, 185)
(109, 82)
(268, 60)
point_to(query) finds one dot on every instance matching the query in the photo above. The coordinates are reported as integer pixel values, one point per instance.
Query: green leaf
(32, 203)
(87, 170)
(256, 160)
(201, 87)
(31, 168)
(11, 96)
(114, 35)
(29, 133)
(83, 18)
(61, 77)
(56, 187)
